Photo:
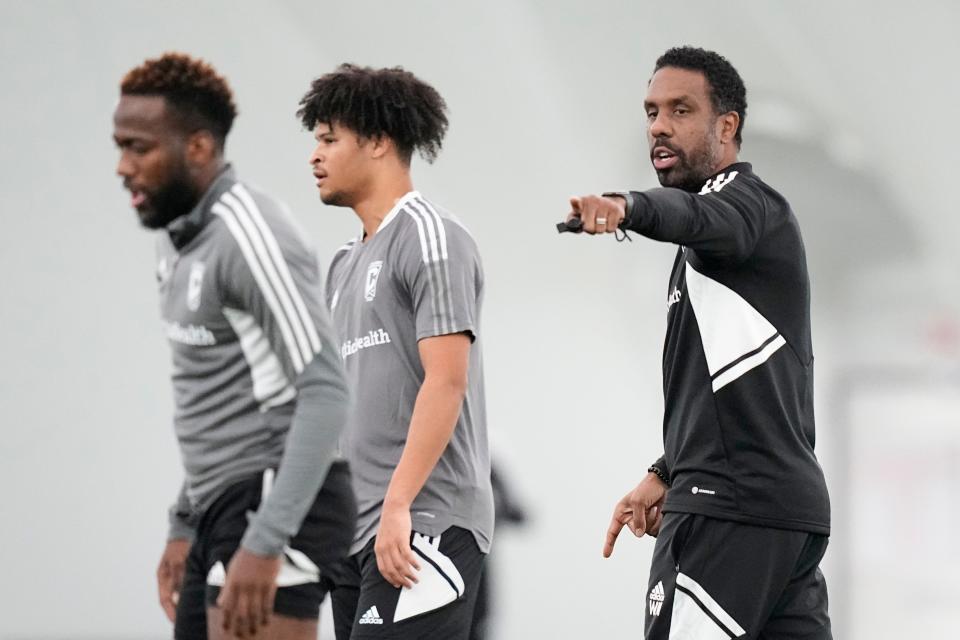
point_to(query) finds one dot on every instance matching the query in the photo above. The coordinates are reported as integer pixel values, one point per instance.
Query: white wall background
(853, 116)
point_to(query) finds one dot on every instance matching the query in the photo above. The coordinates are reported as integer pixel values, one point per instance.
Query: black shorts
(720, 579)
(321, 544)
(439, 606)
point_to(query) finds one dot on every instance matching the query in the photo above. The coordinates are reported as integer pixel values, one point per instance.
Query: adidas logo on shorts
(372, 616)
(656, 599)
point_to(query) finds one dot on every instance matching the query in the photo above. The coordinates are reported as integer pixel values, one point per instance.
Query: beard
(338, 198)
(693, 166)
(335, 199)
(174, 199)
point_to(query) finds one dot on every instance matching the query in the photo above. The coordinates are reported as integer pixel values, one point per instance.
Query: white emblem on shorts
(372, 616)
(709, 492)
(373, 273)
(297, 569)
(656, 599)
(195, 285)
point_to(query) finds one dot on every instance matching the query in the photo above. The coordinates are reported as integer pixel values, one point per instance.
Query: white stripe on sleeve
(274, 248)
(436, 267)
(446, 262)
(272, 272)
(426, 260)
(260, 277)
(270, 384)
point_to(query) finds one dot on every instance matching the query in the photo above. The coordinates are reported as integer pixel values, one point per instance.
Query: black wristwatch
(628, 199)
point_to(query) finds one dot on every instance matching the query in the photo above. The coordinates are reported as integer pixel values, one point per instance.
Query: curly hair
(379, 102)
(726, 86)
(199, 97)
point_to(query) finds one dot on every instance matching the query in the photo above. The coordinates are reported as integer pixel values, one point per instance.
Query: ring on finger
(602, 221)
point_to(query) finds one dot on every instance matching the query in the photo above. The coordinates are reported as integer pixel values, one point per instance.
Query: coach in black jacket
(740, 495)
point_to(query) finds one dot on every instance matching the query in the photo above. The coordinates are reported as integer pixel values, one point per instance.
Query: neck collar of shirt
(394, 212)
(739, 167)
(186, 227)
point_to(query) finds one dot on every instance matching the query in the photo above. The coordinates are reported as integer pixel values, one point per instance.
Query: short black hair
(199, 97)
(376, 103)
(726, 86)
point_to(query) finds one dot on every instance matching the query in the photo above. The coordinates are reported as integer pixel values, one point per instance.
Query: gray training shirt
(256, 373)
(418, 276)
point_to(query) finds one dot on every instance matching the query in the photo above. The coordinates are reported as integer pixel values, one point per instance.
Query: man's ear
(202, 148)
(728, 124)
(380, 146)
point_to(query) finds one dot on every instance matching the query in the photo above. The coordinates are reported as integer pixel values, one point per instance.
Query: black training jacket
(738, 424)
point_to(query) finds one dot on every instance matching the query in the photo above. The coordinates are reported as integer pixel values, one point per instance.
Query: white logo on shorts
(372, 616)
(656, 599)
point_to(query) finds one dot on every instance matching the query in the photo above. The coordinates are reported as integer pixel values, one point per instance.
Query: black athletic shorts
(321, 543)
(439, 606)
(717, 579)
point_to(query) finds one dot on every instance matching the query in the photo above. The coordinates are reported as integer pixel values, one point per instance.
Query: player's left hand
(598, 214)
(641, 510)
(246, 600)
(395, 559)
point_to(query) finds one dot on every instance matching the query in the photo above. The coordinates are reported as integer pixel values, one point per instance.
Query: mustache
(128, 185)
(665, 143)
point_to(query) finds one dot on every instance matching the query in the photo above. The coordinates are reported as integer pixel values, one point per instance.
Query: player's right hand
(395, 559)
(598, 214)
(640, 510)
(170, 575)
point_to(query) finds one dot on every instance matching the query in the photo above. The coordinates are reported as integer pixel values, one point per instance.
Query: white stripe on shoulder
(435, 269)
(445, 276)
(258, 242)
(425, 253)
(429, 224)
(441, 231)
(347, 246)
(266, 289)
(282, 267)
(423, 235)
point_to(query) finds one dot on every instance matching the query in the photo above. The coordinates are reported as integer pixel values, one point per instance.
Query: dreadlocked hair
(376, 103)
(199, 97)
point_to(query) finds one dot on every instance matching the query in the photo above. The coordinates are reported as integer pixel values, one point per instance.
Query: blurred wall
(852, 117)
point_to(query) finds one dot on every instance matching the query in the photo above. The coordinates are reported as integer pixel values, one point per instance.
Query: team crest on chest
(195, 285)
(373, 274)
(164, 271)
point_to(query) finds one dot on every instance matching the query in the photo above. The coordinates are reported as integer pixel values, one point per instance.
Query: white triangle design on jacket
(730, 328)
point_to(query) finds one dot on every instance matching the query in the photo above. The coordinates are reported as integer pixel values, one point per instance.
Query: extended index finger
(621, 516)
(575, 206)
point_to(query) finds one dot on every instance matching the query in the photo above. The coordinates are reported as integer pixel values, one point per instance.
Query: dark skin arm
(640, 510)
(246, 600)
(170, 575)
